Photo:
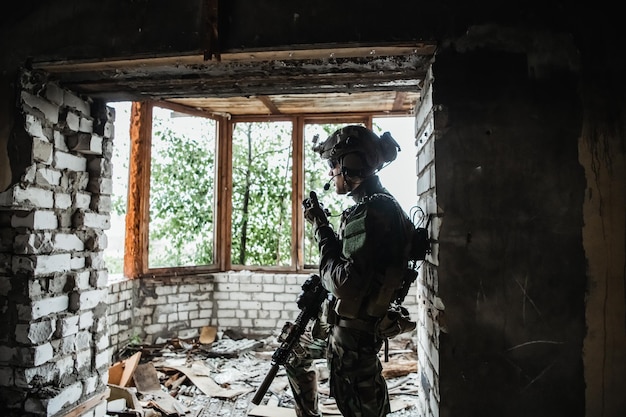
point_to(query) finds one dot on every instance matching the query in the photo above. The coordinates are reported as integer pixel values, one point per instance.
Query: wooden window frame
(138, 207)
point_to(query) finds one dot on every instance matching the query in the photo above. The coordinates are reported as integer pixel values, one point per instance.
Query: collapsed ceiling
(373, 79)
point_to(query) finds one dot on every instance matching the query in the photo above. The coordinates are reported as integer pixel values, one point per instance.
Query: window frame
(137, 217)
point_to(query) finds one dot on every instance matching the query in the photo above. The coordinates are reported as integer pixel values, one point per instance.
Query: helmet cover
(373, 151)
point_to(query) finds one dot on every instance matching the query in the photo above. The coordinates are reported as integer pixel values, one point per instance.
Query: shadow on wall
(5, 131)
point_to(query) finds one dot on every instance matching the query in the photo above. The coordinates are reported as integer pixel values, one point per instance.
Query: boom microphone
(327, 185)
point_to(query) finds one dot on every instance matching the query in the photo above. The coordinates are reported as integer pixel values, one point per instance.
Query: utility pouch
(354, 236)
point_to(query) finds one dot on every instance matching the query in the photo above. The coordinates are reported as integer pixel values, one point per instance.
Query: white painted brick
(86, 125)
(35, 332)
(84, 219)
(36, 355)
(275, 288)
(47, 177)
(90, 299)
(77, 262)
(83, 359)
(82, 340)
(33, 243)
(99, 278)
(85, 143)
(35, 289)
(68, 325)
(109, 130)
(65, 365)
(33, 197)
(86, 320)
(101, 203)
(43, 307)
(54, 93)
(62, 201)
(66, 397)
(59, 141)
(44, 374)
(177, 298)
(68, 242)
(42, 150)
(99, 167)
(100, 186)
(73, 101)
(82, 200)
(50, 110)
(69, 121)
(64, 160)
(99, 410)
(272, 306)
(33, 126)
(103, 359)
(250, 305)
(96, 260)
(36, 219)
(42, 264)
(96, 240)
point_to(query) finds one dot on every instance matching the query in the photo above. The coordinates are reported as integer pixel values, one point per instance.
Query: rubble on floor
(220, 378)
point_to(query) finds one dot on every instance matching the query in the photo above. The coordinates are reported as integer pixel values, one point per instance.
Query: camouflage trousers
(302, 375)
(356, 380)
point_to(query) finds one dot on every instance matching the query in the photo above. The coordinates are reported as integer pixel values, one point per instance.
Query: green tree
(182, 194)
(261, 202)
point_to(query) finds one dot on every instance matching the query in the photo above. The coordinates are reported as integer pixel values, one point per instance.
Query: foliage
(181, 195)
(261, 203)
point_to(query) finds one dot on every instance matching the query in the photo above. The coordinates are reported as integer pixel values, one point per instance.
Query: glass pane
(316, 175)
(182, 190)
(262, 190)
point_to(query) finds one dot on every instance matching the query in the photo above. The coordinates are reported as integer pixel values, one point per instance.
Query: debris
(189, 378)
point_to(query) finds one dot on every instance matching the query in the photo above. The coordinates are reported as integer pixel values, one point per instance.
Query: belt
(358, 324)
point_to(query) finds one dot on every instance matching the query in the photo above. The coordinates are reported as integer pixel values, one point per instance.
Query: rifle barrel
(260, 393)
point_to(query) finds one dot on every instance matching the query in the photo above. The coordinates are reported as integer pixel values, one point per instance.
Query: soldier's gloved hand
(314, 212)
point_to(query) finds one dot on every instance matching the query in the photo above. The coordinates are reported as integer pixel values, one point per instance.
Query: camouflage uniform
(355, 267)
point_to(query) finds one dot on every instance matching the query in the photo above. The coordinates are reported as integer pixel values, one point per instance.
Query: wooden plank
(199, 375)
(88, 405)
(304, 52)
(147, 382)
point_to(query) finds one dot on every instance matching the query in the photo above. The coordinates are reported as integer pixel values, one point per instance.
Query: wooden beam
(269, 104)
(138, 206)
(89, 404)
(302, 52)
(399, 100)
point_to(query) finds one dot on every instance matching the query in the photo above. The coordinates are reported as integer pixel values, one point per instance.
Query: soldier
(362, 267)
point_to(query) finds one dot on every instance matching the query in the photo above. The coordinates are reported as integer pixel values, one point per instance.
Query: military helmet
(373, 152)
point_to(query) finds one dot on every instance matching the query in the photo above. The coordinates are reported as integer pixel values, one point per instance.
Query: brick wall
(54, 344)
(430, 308)
(150, 310)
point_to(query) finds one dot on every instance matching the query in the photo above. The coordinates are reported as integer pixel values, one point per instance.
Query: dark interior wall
(512, 264)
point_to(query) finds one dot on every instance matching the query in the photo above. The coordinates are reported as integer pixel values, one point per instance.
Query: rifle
(310, 303)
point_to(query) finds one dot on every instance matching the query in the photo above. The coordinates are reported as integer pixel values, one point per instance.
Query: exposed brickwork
(54, 349)
(428, 315)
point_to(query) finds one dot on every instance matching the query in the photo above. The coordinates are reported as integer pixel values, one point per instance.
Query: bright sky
(399, 177)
